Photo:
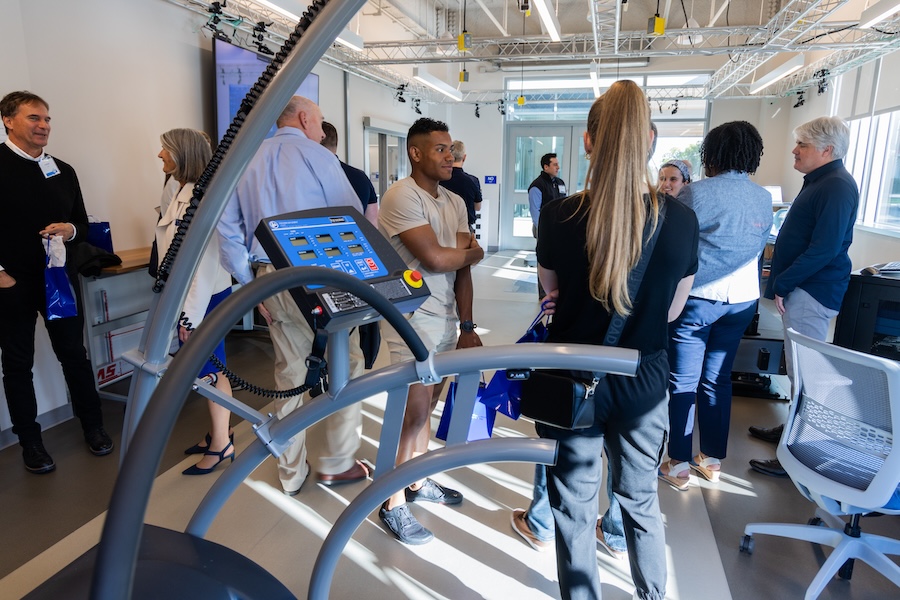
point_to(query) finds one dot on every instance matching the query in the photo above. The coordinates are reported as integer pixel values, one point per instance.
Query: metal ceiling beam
(850, 47)
(843, 60)
(581, 47)
(585, 95)
(788, 26)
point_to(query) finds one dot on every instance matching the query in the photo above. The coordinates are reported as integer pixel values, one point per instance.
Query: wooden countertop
(132, 260)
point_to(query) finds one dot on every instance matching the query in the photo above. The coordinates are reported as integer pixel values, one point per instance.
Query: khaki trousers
(292, 340)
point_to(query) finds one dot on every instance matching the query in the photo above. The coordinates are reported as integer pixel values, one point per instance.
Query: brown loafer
(357, 472)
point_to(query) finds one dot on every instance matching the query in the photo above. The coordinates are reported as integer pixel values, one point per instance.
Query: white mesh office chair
(838, 449)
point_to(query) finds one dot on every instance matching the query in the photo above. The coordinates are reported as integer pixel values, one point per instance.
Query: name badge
(48, 166)
(562, 189)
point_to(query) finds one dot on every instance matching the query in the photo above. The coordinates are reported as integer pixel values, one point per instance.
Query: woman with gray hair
(184, 154)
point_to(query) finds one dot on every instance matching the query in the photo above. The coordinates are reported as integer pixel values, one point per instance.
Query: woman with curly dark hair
(735, 217)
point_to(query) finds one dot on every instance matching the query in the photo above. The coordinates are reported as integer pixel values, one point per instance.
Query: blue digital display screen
(335, 242)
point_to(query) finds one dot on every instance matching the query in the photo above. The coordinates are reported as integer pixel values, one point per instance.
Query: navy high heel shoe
(195, 470)
(198, 449)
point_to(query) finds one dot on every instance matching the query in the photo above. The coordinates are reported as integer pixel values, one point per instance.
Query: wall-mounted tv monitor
(237, 69)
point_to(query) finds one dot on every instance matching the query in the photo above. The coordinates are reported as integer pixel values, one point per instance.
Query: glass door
(386, 160)
(526, 145)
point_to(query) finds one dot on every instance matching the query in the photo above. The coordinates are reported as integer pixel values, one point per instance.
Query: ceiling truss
(797, 27)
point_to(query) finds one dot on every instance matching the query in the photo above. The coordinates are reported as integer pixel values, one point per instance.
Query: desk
(116, 304)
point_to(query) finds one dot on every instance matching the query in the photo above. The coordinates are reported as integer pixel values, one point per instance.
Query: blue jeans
(540, 517)
(704, 340)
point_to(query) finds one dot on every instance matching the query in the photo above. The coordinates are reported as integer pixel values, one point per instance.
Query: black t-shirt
(581, 319)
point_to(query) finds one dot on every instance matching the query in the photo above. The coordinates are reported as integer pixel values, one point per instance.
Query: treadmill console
(340, 238)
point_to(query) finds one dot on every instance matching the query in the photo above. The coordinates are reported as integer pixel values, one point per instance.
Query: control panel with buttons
(340, 238)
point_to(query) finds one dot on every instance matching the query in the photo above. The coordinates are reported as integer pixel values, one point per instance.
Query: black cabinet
(869, 320)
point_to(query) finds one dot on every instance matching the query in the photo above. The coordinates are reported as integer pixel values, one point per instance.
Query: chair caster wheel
(846, 570)
(747, 544)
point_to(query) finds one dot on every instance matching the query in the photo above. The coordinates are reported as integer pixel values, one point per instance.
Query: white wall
(116, 75)
(14, 74)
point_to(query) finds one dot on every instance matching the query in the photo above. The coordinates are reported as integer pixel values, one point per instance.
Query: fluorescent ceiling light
(350, 40)
(777, 74)
(624, 63)
(531, 85)
(878, 12)
(548, 18)
(278, 9)
(569, 65)
(436, 84)
(345, 38)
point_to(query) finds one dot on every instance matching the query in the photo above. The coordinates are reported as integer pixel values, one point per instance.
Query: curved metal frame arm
(117, 552)
(527, 450)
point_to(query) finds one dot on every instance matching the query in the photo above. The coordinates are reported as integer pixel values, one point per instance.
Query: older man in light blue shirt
(291, 172)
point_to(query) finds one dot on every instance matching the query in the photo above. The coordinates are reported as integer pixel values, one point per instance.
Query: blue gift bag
(100, 235)
(482, 424)
(60, 295)
(503, 394)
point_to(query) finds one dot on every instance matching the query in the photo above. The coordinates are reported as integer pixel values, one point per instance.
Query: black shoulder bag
(561, 398)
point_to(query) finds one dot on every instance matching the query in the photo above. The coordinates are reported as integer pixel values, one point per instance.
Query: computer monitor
(775, 190)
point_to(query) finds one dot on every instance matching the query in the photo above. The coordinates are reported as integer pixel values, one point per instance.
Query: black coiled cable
(238, 383)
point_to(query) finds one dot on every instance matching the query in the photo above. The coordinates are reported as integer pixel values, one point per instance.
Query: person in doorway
(427, 225)
(462, 184)
(184, 155)
(735, 217)
(292, 171)
(547, 186)
(40, 198)
(811, 266)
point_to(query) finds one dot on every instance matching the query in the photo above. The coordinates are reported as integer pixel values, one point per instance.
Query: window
(873, 160)
(681, 120)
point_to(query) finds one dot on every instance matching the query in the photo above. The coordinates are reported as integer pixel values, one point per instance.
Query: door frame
(573, 146)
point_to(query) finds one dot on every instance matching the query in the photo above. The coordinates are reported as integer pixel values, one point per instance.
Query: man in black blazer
(39, 198)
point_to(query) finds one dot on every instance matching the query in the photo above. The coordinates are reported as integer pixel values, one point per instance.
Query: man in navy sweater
(810, 267)
(39, 198)
(361, 183)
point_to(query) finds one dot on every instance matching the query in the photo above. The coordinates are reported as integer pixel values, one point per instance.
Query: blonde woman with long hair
(589, 244)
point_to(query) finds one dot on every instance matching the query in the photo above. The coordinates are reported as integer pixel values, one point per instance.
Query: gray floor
(49, 520)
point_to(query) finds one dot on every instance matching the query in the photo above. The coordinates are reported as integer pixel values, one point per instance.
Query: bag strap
(617, 323)
(540, 316)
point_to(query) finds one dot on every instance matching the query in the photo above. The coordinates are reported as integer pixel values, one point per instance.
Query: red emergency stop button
(413, 278)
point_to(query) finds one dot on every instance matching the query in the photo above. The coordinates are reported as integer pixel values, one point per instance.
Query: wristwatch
(467, 326)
